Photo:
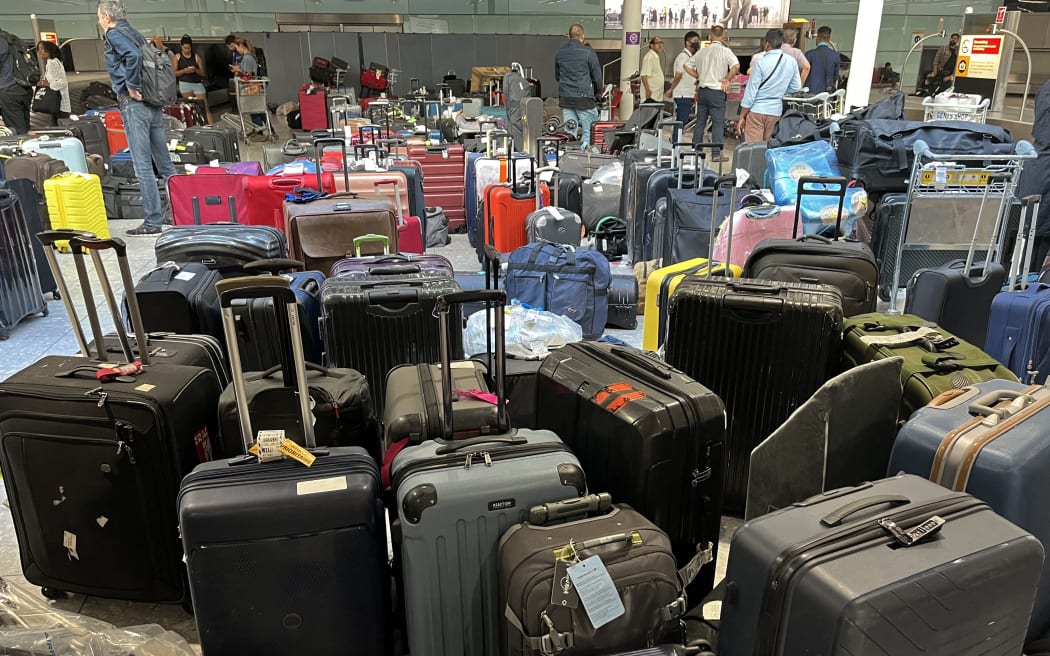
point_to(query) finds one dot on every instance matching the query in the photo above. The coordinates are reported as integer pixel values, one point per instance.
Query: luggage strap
(910, 338)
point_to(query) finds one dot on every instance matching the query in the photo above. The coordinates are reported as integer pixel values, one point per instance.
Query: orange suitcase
(506, 208)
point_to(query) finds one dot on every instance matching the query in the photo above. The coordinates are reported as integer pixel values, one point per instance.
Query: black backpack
(24, 66)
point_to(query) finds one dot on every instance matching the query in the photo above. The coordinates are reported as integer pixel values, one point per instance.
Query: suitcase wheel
(52, 593)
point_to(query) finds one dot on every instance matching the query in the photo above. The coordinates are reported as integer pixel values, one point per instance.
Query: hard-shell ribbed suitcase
(648, 434)
(20, 293)
(900, 566)
(444, 167)
(427, 263)
(791, 333)
(750, 227)
(454, 499)
(92, 468)
(74, 202)
(988, 440)
(30, 201)
(243, 522)
(225, 247)
(507, 208)
(67, 149)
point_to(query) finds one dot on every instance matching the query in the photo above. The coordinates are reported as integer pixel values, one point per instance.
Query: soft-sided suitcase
(225, 247)
(693, 215)
(650, 435)
(935, 361)
(128, 200)
(623, 543)
(751, 156)
(376, 322)
(266, 195)
(74, 202)
(92, 467)
(199, 199)
(989, 440)
(328, 518)
(20, 293)
(791, 332)
(36, 167)
(623, 299)
(900, 566)
(313, 108)
(91, 130)
(848, 265)
(599, 200)
(553, 223)
(325, 230)
(30, 201)
(181, 299)
(1019, 332)
(450, 543)
(443, 169)
(67, 149)
(219, 138)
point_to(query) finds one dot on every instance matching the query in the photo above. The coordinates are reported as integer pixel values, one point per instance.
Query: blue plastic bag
(786, 165)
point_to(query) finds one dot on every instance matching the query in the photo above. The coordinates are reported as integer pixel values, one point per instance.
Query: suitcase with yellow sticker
(74, 202)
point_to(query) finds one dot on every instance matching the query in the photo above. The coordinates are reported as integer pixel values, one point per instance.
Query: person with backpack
(144, 81)
(18, 73)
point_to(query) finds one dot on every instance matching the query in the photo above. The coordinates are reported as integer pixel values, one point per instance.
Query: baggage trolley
(980, 178)
(251, 99)
(820, 107)
(955, 107)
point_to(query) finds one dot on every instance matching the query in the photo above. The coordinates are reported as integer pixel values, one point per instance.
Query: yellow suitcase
(659, 287)
(74, 201)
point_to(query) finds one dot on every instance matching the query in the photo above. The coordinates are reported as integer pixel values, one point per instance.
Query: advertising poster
(702, 14)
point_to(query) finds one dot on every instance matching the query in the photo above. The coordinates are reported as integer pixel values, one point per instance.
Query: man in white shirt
(683, 85)
(715, 66)
(652, 72)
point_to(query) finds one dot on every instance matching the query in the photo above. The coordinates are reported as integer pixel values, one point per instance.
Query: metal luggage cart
(955, 107)
(251, 99)
(949, 187)
(820, 107)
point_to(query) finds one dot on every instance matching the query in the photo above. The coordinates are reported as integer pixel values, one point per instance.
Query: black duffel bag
(879, 152)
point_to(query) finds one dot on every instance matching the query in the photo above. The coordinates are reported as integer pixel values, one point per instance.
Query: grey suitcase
(455, 498)
(751, 156)
(554, 224)
(900, 566)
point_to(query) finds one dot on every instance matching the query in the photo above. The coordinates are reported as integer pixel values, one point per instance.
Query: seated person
(887, 74)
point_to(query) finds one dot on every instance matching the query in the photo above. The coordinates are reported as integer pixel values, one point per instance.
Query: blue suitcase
(416, 202)
(990, 440)
(1019, 332)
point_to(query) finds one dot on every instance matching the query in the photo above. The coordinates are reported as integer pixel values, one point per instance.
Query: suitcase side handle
(587, 505)
(837, 517)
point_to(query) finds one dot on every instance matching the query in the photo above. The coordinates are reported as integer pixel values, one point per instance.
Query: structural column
(630, 48)
(865, 45)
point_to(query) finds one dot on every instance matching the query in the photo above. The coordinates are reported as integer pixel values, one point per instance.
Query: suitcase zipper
(796, 557)
(466, 459)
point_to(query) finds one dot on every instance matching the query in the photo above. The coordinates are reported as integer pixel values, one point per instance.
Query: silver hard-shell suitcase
(554, 224)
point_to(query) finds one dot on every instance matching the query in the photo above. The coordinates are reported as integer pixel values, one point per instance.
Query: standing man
(715, 67)
(579, 79)
(652, 72)
(940, 77)
(143, 123)
(825, 63)
(15, 95)
(684, 82)
(772, 78)
(788, 47)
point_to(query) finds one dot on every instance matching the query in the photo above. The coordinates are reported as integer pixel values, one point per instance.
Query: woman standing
(246, 68)
(53, 75)
(189, 71)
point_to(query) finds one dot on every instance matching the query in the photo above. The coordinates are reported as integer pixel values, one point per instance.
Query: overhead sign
(1000, 14)
(979, 57)
(49, 36)
(632, 38)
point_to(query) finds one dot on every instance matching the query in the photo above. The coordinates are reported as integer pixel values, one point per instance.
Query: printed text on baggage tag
(597, 591)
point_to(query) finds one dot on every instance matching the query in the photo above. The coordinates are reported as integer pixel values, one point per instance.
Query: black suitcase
(285, 559)
(20, 293)
(900, 566)
(648, 434)
(376, 322)
(764, 347)
(221, 246)
(694, 210)
(848, 265)
(218, 138)
(92, 469)
(32, 206)
(181, 299)
(128, 200)
(623, 299)
(91, 130)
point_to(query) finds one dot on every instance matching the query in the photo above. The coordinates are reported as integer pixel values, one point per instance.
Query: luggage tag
(563, 592)
(596, 589)
(273, 445)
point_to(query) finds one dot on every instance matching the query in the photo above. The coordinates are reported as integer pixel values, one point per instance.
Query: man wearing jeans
(579, 77)
(715, 67)
(144, 124)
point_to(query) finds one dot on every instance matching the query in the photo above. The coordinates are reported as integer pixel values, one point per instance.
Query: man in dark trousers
(825, 63)
(943, 72)
(579, 77)
(14, 97)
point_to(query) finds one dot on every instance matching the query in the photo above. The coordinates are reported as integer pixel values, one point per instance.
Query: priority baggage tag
(597, 591)
(563, 592)
(297, 453)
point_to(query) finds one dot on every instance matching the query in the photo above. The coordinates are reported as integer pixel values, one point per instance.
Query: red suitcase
(313, 108)
(210, 198)
(266, 194)
(444, 175)
(188, 112)
(115, 135)
(598, 129)
(507, 207)
(409, 229)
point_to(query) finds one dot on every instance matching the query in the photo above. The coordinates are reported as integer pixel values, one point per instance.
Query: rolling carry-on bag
(327, 517)
(224, 247)
(485, 484)
(599, 201)
(507, 207)
(219, 138)
(181, 299)
(793, 330)
(585, 534)
(693, 216)
(649, 434)
(29, 200)
(443, 169)
(752, 158)
(200, 199)
(1019, 332)
(935, 361)
(93, 451)
(848, 265)
(313, 108)
(988, 440)
(553, 223)
(20, 293)
(900, 566)
(638, 167)
(750, 227)
(566, 188)
(74, 202)
(91, 130)
(67, 149)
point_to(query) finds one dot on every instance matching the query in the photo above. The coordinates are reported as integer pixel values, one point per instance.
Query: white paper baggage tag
(597, 591)
(269, 443)
(293, 168)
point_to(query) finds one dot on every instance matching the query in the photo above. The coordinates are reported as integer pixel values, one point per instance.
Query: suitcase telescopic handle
(495, 301)
(48, 239)
(591, 504)
(715, 187)
(1030, 209)
(837, 517)
(279, 289)
(401, 220)
(983, 406)
(555, 176)
(840, 184)
(319, 152)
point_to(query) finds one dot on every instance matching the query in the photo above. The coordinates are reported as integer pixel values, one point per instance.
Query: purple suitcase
(395, 263)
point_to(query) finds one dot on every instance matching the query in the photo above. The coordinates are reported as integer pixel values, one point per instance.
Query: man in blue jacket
(144, 124)
(579, 79)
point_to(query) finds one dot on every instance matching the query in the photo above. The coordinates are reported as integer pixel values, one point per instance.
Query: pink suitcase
(200, 199)
(409, 229)
(313, 109)
(752, 225)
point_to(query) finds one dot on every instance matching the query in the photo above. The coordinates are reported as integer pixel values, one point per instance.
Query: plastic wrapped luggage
(30, 202)
(224, 247)
(93, 483)
(67, 149)
(615, 406)
(515, 470)
(328, 516)
(20, 293)
(899, 566)
(935, 361)
(74, 202)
